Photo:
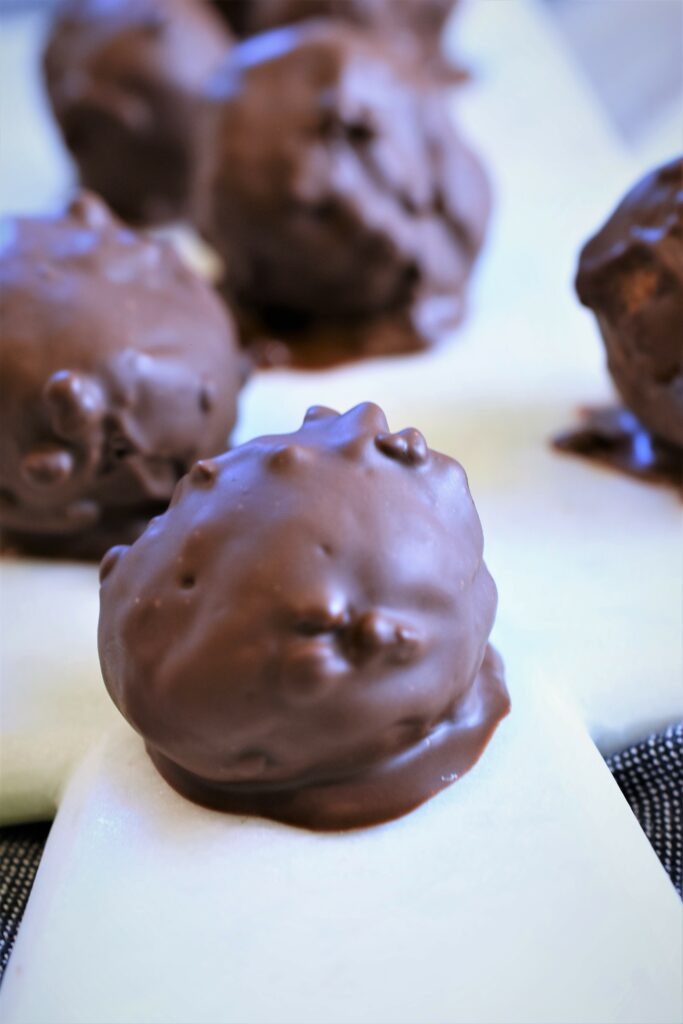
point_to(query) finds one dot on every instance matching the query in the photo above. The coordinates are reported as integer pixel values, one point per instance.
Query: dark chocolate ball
(336, 188)
(119, 369)
(304, 634)
(631, 275)
(125, 78)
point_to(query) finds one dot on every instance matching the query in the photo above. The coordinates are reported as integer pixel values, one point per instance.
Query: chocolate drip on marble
(613, 437)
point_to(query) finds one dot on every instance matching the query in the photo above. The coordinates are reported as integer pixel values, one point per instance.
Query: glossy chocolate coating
(329, 611)
(631, 275)
(337, 191)
(125, 78)
(412, 28)
(615, 438)
(119, 369)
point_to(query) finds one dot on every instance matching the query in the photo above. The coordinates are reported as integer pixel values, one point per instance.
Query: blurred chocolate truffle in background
(124, 78)
(631, 275)
(413, 28)
(119, 368)
(304, 634)
(347, 210)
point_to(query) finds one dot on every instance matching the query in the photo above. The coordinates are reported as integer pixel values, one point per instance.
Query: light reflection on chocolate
(614, 437)
(413, 29)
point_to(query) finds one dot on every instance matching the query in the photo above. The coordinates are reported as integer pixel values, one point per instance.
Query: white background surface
(527, 891)
(524, 893)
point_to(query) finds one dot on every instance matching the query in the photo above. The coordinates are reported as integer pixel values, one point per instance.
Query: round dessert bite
(411, 27)
(339, 195)
(119, 368)
(631, 275)
(304, 634)
(125, 78)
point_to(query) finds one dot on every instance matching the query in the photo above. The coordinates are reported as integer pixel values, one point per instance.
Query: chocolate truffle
(304, 634)
(119, 368)
(125, 79)
(412, 28)
(631, 275)
(338, 193)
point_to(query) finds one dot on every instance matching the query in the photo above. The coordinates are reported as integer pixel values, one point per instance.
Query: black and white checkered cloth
(21, 848)
(650, 775)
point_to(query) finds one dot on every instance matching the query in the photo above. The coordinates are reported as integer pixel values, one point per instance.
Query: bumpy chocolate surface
(125, 78)
(119, 368)
(631, 275)
(412, 28)
(339, 195)
(303, 635)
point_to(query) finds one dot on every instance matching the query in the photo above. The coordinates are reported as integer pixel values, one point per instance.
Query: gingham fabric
(20, 851)
(650, 775)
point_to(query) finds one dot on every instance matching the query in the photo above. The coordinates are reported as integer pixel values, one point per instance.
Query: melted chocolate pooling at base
(304, 634)
(615, 438)
(318, 345)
